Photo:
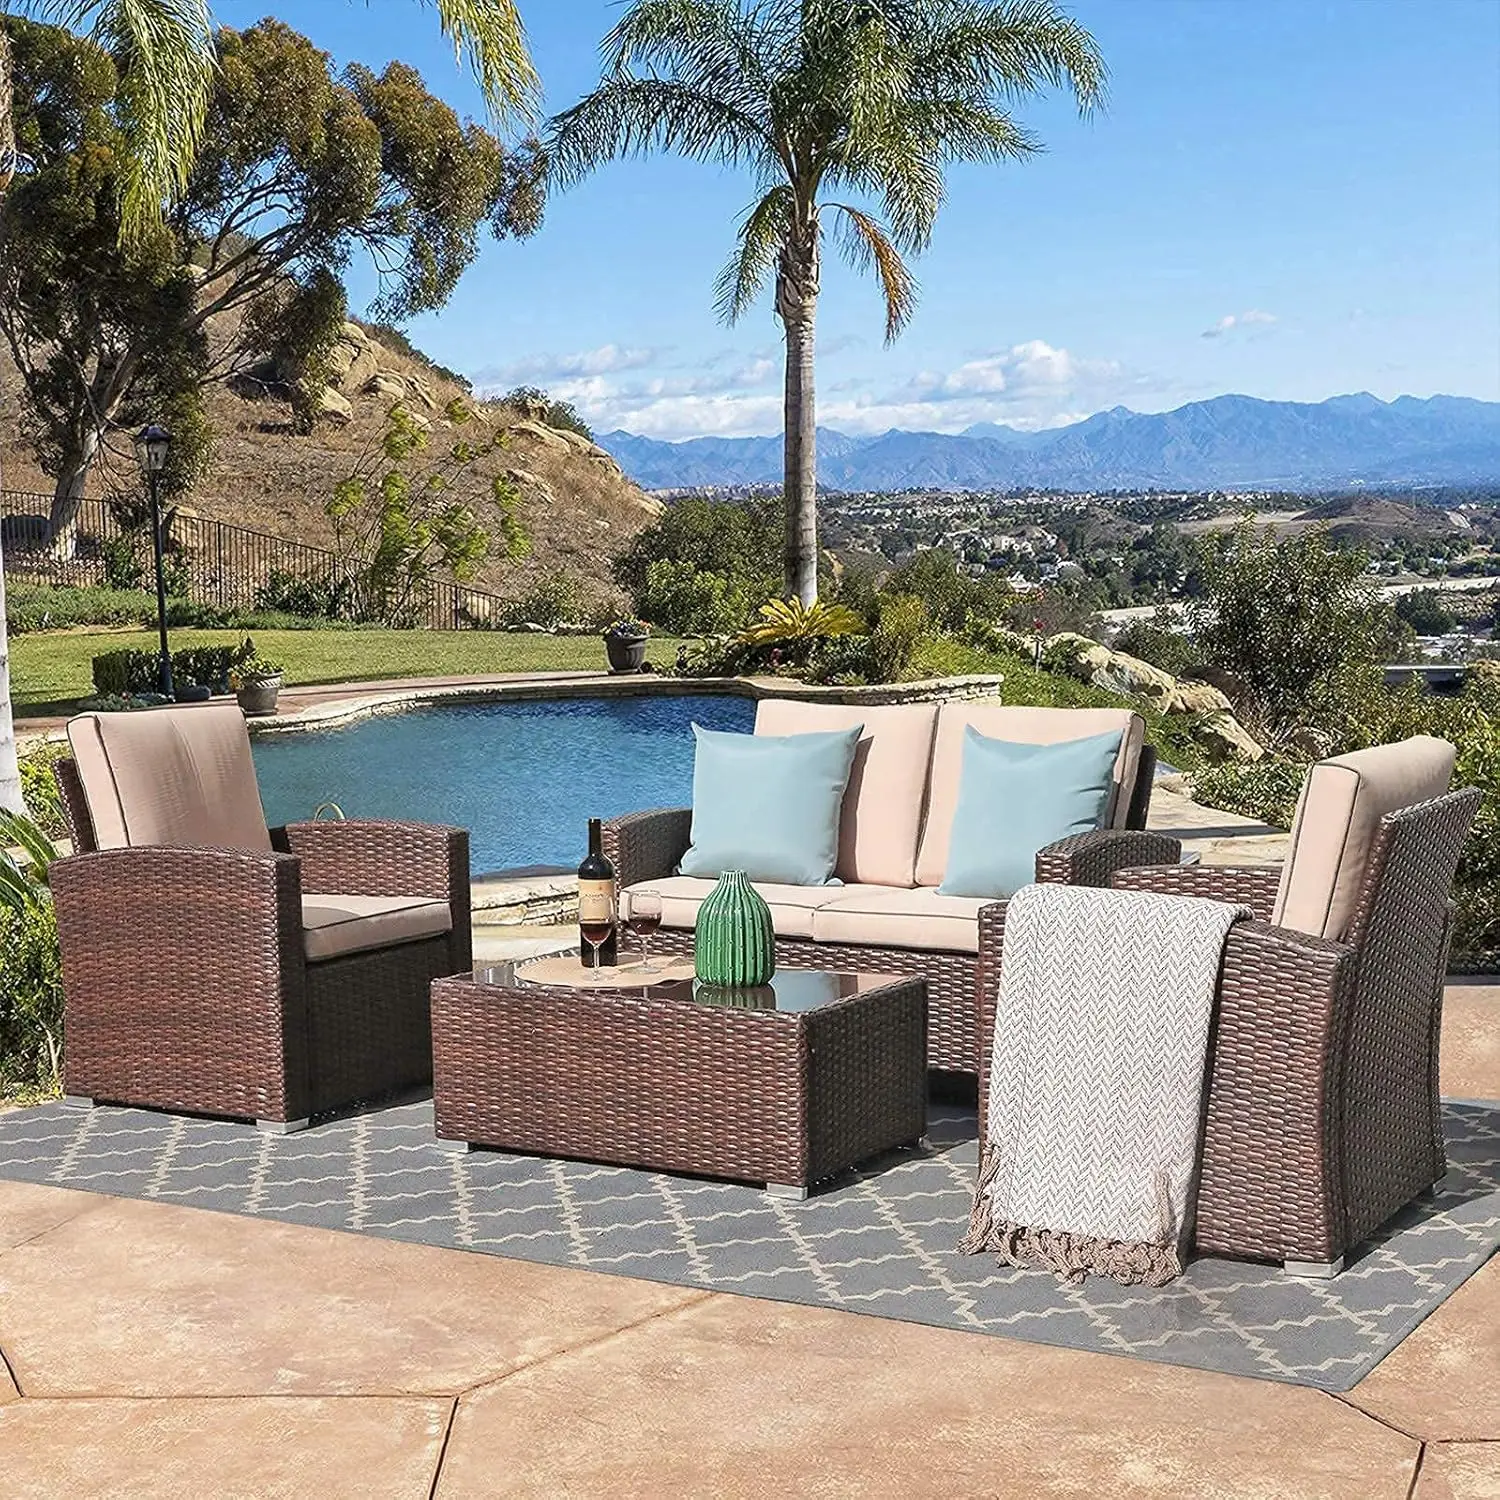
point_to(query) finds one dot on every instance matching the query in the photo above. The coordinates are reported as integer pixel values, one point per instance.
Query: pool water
(522, 777)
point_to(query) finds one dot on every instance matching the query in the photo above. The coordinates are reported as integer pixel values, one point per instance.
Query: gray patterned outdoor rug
(877, 1241)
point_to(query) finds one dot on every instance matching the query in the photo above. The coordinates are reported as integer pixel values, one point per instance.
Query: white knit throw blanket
(1089, 1160)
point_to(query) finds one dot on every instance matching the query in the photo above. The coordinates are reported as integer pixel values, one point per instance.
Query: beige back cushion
(882, 812)
(170, 776)
(1338, 815)
(1023, 726)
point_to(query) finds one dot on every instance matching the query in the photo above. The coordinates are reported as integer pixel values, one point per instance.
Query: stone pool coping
(332, 705)
(562, 685)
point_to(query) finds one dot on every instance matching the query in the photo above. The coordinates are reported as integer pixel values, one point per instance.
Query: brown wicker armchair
(200, 971)
(1322, 1113)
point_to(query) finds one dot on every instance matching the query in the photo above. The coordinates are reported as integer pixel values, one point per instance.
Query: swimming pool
(522, 777)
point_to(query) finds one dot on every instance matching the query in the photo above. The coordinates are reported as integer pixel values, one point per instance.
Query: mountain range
(1229, 442)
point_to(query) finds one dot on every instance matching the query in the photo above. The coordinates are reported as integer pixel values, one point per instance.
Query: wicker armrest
(380, 858)
(140, 919)
(184, 979)
(1272, 1182)
(647, 845)
(1091, 858)
(1254, 886)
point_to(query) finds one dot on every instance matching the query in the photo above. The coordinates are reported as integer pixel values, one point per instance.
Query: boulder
(539, 432)
(384, 384)
(353, 358)
(1197, 698)
(1223, 738)
(419, 389)
(1113, 671)
(334, 407)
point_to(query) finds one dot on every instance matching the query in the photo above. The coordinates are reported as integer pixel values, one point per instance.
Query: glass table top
(789, 990)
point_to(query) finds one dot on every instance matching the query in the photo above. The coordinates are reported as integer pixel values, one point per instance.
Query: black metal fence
(210, 562)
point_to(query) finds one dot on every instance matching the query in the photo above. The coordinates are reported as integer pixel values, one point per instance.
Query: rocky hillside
(577, 506)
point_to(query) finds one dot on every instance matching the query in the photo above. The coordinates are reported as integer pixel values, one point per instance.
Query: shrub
(1267, 790)
(560, 414)
(124, 672)
(204, 666)
(1285, 616)
(686, 600)
(39, 787)
(1155, 640)
(289, 594)
(724, 558)
(123, 568)
(31, 1004)
(555, 599)
(119, 673)
(954, 599)
(31, 1010)
(31, 607)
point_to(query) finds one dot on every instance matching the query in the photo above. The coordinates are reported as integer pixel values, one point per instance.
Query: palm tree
(869, 98)
(166, 50)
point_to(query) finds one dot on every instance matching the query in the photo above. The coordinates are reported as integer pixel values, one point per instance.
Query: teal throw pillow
(1016, 799)
(768, 804)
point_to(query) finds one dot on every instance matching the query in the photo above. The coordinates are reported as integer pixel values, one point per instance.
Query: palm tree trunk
(7, 116)
(797, 306)
(10, 773)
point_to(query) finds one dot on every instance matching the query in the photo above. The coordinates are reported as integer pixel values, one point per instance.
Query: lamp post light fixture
(152, 445)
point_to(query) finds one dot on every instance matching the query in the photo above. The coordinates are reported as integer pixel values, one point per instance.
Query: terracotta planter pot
(257, 695)
(627, 653)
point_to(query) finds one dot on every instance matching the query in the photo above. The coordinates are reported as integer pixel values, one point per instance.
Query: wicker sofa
(201, 972)
(1322, 1116)
(887, 915)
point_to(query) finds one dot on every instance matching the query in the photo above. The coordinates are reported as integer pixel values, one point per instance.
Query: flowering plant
(251, 666)
(627, 630)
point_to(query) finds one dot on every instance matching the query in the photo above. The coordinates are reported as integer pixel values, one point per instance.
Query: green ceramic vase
(734, 942)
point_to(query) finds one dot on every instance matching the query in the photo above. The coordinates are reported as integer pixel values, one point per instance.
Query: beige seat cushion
(881, 817)
(170, 776)
(1023, 726)
(792, 906)
(1338, 815)
(333, 926)
(902, 919)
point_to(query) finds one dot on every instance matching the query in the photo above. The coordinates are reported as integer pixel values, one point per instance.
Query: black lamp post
(152, 444)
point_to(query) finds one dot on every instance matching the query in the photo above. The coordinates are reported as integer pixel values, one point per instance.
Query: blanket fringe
(1070, 1257)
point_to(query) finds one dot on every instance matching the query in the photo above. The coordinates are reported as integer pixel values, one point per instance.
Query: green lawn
(50, 672)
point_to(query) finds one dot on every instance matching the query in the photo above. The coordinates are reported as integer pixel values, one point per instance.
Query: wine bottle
(596, 899)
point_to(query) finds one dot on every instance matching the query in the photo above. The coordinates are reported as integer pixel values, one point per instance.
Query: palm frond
(713, 45)
(492, 33)
(791, 620)
(1014, 48)
(867, 245)
(763, 231)
(165, 52)
(633, 116)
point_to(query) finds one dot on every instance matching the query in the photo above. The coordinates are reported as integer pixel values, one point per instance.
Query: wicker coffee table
(784, 1085)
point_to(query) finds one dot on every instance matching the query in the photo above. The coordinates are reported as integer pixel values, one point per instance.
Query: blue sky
(1287, 198)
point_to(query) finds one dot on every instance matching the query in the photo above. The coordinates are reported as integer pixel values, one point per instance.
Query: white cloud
(1029, 385)
(1022, 369)
(607, 359)
(1231, 321)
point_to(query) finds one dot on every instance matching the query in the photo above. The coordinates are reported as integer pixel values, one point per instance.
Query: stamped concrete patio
(158, 1351)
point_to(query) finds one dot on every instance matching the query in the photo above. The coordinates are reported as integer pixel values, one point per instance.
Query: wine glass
(596, 934)
(645, 918)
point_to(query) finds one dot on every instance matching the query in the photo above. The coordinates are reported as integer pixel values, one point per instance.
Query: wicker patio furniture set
(213, 965)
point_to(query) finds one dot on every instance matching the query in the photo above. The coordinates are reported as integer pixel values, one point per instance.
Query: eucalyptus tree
(824, 101)
(166, 52)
